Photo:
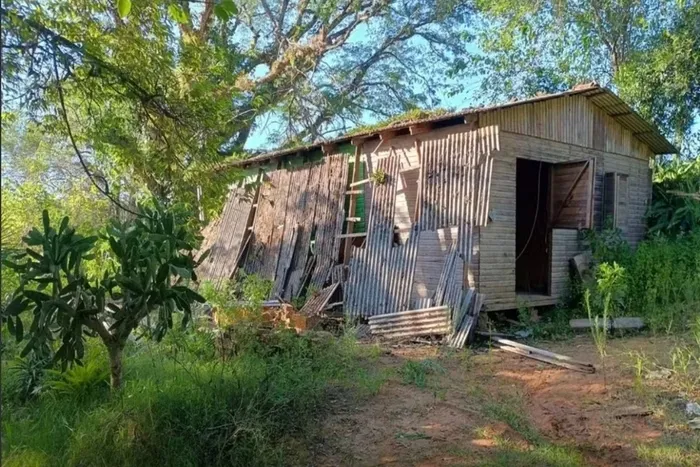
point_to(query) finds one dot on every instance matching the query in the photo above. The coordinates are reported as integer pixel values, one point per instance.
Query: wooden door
(572, 191)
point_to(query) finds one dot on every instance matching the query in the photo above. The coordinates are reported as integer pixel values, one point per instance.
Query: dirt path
(496, 408)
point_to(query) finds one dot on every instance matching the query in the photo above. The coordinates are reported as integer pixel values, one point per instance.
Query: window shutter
(572, 195)
(615, 200)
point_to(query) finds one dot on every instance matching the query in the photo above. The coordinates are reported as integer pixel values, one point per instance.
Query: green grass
(418, 373)
(671, 453)
(508, 454)
(181, 405)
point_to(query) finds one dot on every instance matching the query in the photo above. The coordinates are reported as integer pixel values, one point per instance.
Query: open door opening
(532, 214)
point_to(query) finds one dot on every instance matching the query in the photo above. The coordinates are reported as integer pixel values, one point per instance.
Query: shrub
(675, 209)
(660, 281)
(184, 407)
(154, 253)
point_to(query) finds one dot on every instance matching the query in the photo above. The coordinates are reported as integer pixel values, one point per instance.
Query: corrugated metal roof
(600, 96)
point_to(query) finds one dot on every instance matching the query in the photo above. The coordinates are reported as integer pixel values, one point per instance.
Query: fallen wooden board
(616, 323)
(542, 352)
(316, 304)
(582, 263)
(417, 332)
(542, 358)
(633, 411)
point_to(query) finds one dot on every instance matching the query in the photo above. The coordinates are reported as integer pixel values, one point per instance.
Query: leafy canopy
(164, 89)
(649, 50)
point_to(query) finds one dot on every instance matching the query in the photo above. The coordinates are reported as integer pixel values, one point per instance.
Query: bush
(660, 281)
(180, 405)
(675, 209)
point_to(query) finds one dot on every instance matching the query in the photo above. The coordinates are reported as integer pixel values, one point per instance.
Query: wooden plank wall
(226, 236)
(497, 239)
(372, 266)
(570, 119)
(294, 206)
(329, 218)
(565, 245)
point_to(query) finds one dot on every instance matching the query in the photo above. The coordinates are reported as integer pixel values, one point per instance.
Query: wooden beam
(329, 148)
(387, 135)
(543, 358)
(354, 192)
(420, 128)
(353, 219)
(566, 200)
(361, 182)
(620, 114)
(352, 235)
(359, 141)
(472, 120)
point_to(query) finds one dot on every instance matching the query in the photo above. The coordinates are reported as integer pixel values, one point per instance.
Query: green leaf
(27, 348)
(124, 8)
(34, 254)
(162, 273)
(182, 272)
(19, 330)
(204, 256)
(131, 284)
(116, 247)
(64, 224)
(168, 223)
(15, 266)
(225, 10)
(38, 297)
(177, 13)
(33, 238)
(16, 306)
(46, 221)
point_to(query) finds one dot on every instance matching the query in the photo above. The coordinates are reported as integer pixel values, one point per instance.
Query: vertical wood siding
(572, 120)
(497, 239)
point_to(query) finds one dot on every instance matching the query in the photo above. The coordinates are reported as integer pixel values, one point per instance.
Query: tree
(153, 255)
(167, 105)
(649, 50)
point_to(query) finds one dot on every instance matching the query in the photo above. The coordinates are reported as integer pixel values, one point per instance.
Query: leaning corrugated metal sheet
(454, 190)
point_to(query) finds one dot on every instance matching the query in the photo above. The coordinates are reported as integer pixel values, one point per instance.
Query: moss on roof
(400, 119)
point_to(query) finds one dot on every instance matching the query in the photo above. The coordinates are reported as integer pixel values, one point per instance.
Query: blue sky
(259, 138)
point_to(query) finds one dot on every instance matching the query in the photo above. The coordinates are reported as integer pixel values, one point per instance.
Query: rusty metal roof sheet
(600, 96)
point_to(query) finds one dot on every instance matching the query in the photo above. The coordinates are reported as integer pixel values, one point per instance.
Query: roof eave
(658, 144)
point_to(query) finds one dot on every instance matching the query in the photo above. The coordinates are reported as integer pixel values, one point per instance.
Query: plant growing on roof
(154, 254)
(378, 177)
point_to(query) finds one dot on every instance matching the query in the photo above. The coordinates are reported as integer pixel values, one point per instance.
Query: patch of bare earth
(447, 422)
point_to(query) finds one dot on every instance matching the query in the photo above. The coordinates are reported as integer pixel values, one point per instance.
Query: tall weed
(181, 405)
(659, 282)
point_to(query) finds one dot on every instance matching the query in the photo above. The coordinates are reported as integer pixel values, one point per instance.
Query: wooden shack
(500, 193)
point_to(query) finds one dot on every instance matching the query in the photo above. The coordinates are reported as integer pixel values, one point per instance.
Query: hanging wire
(537, 210)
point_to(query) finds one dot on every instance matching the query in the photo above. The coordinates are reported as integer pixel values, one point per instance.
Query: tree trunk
(115, 365)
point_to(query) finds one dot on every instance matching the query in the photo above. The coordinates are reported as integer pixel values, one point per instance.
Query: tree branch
(64, 114)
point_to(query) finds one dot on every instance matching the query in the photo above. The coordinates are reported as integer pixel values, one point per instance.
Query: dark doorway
(531, 226)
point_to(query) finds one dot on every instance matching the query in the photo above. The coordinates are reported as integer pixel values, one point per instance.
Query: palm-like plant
(153, 256)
